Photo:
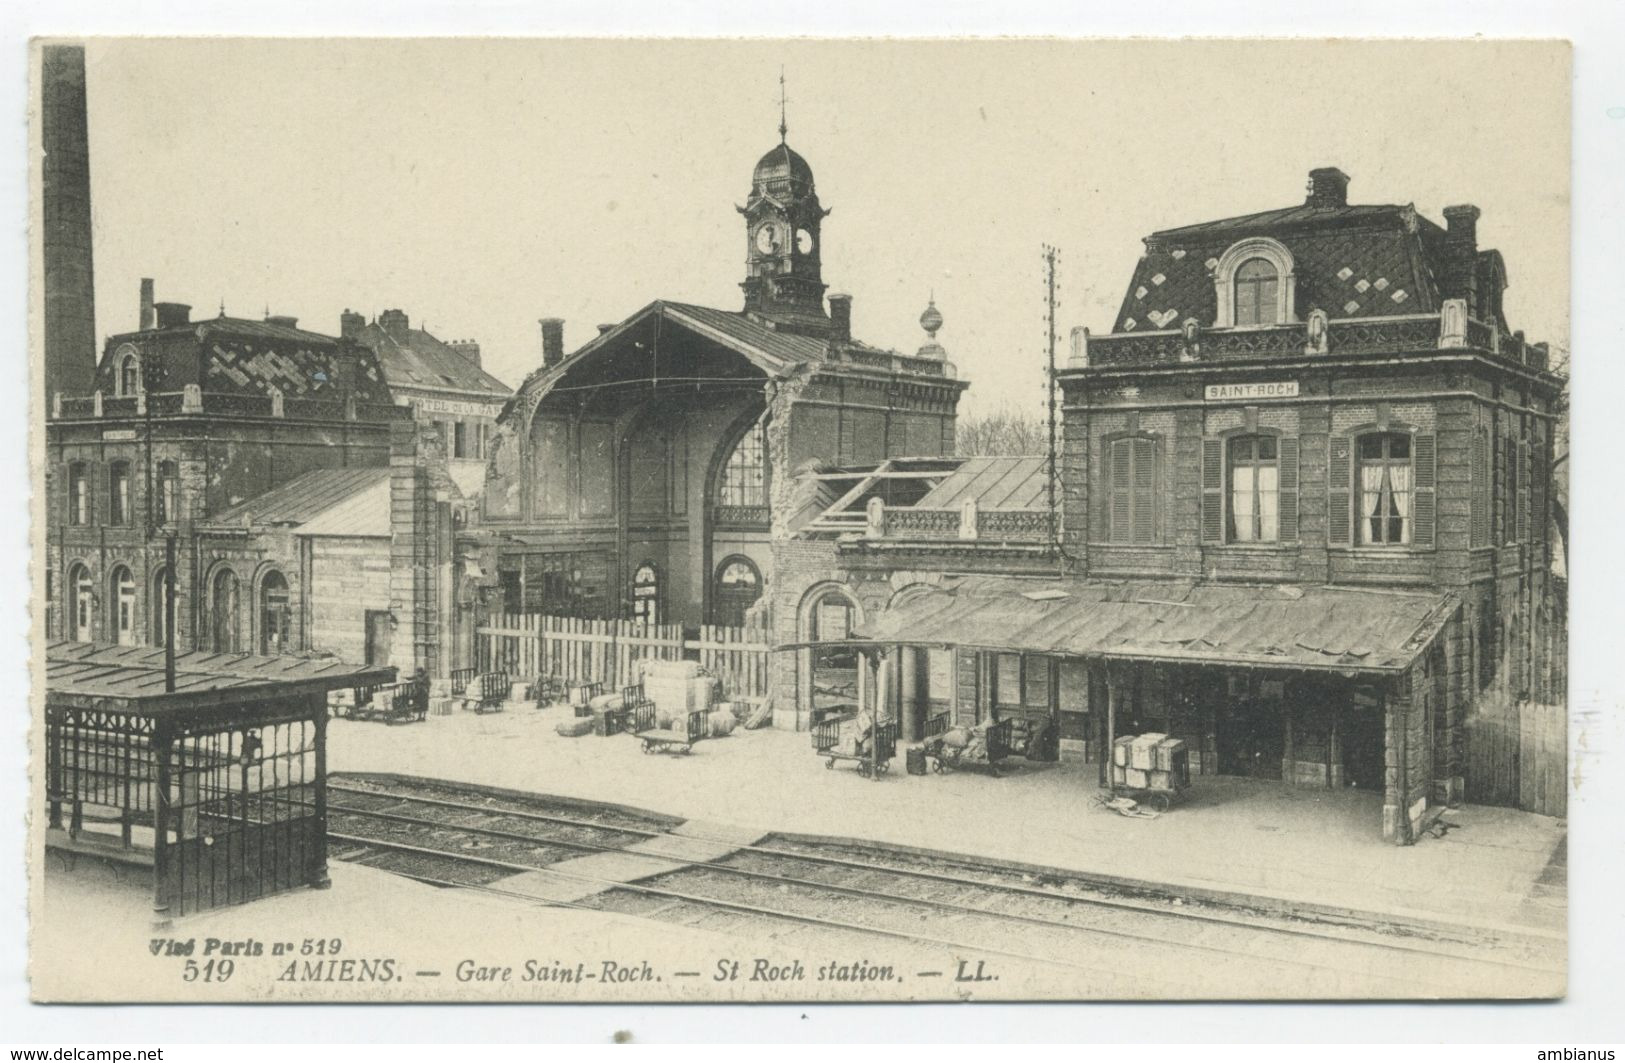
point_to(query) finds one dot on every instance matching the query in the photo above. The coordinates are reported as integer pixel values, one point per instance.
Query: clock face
(804, 241)
(767, 239)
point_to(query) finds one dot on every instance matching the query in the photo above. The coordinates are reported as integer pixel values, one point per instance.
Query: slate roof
(1289, 627)
(995, 483)
(1350, 261)
(306, 497)
(126, 677)
(235, 355)
(420, 360)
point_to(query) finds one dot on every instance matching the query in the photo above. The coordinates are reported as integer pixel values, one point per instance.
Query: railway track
(456, 835)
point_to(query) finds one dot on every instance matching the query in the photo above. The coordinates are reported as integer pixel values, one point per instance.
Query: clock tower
(783, 278)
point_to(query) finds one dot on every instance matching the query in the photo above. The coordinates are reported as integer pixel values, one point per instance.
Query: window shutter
(1213, 490)
(1339, 528)
(1522, 501)
(1120, 491)
(1423, 475)
(1480, 488)
(1287, 506)
(1145, 490)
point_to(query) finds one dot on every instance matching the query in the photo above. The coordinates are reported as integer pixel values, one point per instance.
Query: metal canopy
(1288, 627)
(131, 678)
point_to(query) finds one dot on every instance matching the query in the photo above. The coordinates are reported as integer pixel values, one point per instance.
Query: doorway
(1251, 728)
(1363, 735)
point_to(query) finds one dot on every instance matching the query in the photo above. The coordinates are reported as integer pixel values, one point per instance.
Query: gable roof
(307, 497)
(418, 359)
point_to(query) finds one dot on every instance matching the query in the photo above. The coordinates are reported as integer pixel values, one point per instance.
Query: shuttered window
(1133, 475)
(1250, 489)
(1481, 488)
(1393, 489)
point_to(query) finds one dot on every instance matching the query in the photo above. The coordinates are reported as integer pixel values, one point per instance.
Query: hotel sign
(1280, 389)
(453, 406)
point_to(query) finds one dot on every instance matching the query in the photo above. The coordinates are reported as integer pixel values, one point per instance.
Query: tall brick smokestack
(70, 303)
(149, 316)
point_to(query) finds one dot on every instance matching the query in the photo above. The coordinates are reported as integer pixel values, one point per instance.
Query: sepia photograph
(713, 521)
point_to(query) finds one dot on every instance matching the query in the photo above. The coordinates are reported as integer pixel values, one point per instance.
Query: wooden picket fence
(608, 651)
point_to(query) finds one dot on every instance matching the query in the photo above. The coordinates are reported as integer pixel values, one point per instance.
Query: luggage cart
(1164, 784)
(667, 740)
(873, 755)
(995, 740)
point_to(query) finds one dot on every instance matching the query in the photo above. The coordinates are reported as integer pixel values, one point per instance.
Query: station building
(645, 475)
(1303, 524)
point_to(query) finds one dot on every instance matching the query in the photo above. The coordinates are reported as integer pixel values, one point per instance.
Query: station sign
(1276, 389)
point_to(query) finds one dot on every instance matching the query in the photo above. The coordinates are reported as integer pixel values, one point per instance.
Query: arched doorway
(830, 676)
(738, 585)
(276, 617)
(226, 612)
(82, 598)
(159, 626)
(646, 593)
(122, 585)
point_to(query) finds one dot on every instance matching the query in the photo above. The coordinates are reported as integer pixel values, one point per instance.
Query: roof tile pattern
(1348, 261)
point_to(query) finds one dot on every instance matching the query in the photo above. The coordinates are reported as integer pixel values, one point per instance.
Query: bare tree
(1003, 431)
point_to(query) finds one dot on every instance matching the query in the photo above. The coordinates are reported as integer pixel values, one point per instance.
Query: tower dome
(782, 169)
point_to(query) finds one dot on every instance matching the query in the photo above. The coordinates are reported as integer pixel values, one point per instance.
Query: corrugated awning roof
(1342, 629)
(134, 675)
(304, 497)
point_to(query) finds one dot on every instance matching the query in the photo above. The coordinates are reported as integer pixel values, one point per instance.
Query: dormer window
(1253, 284)
(129, 374)
(1256, 285)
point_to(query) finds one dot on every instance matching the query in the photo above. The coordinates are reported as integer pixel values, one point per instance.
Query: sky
(483, 184)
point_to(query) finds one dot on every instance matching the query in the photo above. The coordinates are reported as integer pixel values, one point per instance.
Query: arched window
(276, 616)
(129, 375)
(123, 587)
(118, 493)
(738, 585)
(226, 610)
(160, 619)
(1253, 283)
(743, 481)
(78, 493)
(833, 672)
(1256, 291)
(82, 603)
(646, 593)
(168, 491)
(1385, 488)
(1253, 514)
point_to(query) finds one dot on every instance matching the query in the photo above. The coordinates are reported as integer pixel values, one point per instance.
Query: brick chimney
(351, 324)
(552, 341)
(1328, 187)
(1459, 278)
(149, 316)
(840, 318)
(469, 349)
(171, 315)
(394, 323)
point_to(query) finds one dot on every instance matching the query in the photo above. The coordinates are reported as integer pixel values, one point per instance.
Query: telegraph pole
(1051, 255)
(152, 375)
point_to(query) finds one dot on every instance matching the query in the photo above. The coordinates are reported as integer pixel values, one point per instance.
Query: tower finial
(784, 127)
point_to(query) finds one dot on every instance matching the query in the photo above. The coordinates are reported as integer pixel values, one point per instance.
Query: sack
(720, 724)
(575, 726)
(956, 738)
